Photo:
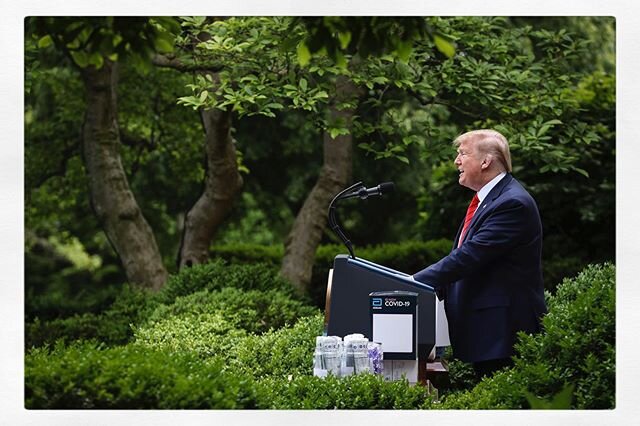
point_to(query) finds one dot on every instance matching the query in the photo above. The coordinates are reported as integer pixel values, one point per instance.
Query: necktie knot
(473, 206)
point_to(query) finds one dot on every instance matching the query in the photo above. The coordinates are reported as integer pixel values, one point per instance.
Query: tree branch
(177, 64)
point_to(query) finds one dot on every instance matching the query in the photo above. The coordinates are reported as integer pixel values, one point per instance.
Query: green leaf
(403, 159)
(303, 84)
(404, 51)
(80, 58)
(337, 131)
(341, 61)
(203, 95)
(96, 59)
(45, 41)
(560, 401)
(304, 56)
(344, 38)
(163, 43)
(444, 46)
(582, 172)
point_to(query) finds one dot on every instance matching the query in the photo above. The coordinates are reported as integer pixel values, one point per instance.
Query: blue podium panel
(347, 307)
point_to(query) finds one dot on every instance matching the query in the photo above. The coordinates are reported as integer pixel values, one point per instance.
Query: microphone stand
(333, 221)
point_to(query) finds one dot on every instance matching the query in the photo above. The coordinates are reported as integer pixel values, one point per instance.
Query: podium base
(394, 369)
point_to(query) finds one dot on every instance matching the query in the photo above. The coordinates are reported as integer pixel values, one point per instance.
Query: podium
(347, 302)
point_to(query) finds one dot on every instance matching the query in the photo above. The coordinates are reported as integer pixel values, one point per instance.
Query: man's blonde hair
(490, 142)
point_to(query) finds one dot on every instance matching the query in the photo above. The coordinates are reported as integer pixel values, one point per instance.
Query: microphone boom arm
(333, 222)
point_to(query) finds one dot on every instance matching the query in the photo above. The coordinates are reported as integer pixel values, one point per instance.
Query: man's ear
(486, 163)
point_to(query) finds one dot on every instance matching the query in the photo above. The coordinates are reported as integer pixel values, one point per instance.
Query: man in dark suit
(491, 281)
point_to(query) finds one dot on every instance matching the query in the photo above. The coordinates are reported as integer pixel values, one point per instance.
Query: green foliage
(524, 74)
(362, 391)
(212, 358)
(255, 311)
(56, 289)
(561, 400)
(111, 326)
(89, 376)
(461, 374)
(218, 274)
(574, 358)
(205, 334)
(247, 253)
(549, 84)
(338, 36)
(92, 40)
(280, 353)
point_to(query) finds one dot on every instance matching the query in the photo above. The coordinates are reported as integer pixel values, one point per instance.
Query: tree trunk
(306, 233)
(111, 198)
(222, 184)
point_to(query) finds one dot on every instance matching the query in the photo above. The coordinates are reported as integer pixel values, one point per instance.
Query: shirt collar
(484, 191)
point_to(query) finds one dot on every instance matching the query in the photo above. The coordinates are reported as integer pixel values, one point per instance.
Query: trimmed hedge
(279, 353)
(55, 288)
(198, 345)
(111, 327)
(205, 334)
(362, 391)
(218, 274)
(88, 376)
(255, 311)
(272, 371)
(215, 323)
(406, 256)
(576, 348)
(270, 302)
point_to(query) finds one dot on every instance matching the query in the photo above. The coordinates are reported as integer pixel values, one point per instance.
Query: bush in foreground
(362, 391)
(576, 349)
(188, 358)
(88, 376)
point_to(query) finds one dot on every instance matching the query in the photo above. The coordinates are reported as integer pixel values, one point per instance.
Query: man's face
(469, 165)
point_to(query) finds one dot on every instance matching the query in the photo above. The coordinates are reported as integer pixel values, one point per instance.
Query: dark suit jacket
(492, 284)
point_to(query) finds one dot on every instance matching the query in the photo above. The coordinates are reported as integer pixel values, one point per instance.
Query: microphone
(355, 190)
(383, 188)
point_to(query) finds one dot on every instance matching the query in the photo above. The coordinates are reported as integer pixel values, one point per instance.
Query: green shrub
(284, 352)
(248, 253)
(86, 376)
(218, 274)
(113, 326)
(254, 311)
(206, 334)
(55, 288)
(576, 348)
(362, 391)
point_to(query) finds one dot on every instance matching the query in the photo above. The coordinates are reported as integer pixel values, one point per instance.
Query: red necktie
(467, 219)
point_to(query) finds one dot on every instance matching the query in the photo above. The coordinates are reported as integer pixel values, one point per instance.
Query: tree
(94, 45)
(405, 108)
(222, 183)
(311, 220)
(263, 73)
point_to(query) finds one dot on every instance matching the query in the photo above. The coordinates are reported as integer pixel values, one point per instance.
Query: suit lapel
(482, 208)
